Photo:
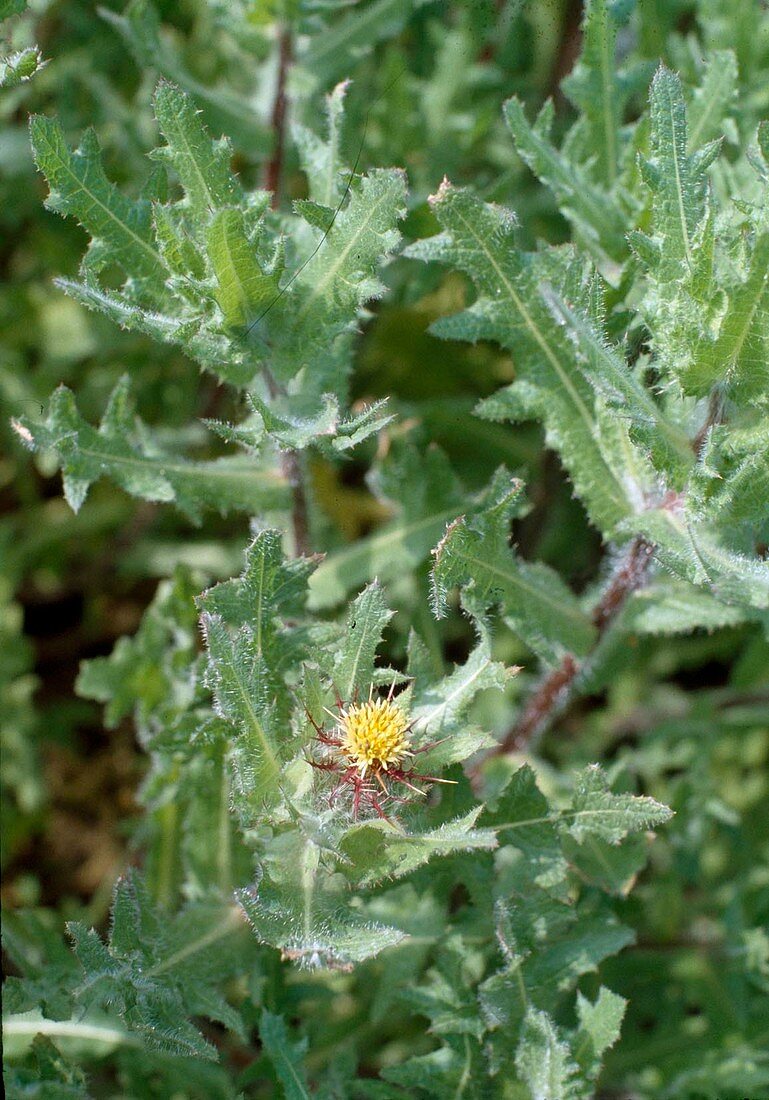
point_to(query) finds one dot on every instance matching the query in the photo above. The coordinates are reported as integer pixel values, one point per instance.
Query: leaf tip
(23, 432)
(442, 193)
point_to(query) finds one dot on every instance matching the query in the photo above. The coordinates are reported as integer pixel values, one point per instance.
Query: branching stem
(552, 693)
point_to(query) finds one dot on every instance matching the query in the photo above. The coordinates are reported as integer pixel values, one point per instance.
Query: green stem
(169, 820)
(224, 835)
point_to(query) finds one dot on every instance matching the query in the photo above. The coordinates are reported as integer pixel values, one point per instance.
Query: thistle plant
(371, 743)
(365, 869)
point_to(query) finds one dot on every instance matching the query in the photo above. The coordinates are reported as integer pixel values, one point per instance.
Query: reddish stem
(274, 169)
(291, 468)
(551, 695)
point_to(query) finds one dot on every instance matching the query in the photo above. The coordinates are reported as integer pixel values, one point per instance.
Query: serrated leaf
(379, 849)
(692, 553)
(713, 99)
(597, 811)
(437, 708)
(286, 1056)
(596, 88)
(175, 246)
(314, 937)
(734, 478)
(510, 310)
(366, 620)
(143, 971)
(315, 214)
(272, 587)
(521, 816)
(600, 1025)
(121, 228)
(737, 358)
(239, 681)
(543, 1060)
(608, 373)
(321, 162)
(593, 211)
(676, 179)
(533, 599)
(288, 422)
(122, 448)
(20, 66)
(201, 164)
(339, 277)
(547, 947)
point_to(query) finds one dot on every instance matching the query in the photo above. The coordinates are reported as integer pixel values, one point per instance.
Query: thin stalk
(224, 848)
(164, 889)
(292, 468)
(293, 471)
(273, 176)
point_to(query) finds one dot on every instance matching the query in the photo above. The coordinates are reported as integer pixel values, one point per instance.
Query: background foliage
(522, 414)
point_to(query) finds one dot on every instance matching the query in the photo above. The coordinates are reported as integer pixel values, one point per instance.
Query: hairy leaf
(532, 597)
(510, 310)
(123, 448)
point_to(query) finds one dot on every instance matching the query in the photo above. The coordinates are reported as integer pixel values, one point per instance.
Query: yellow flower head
(374, 734)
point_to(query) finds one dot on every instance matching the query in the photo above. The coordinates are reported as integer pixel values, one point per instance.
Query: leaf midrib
(187, 152)
(463, 686)
(69, 171)
(208, 470)
(548, 352)
(331, 272)
(679, 185)
(573, 613)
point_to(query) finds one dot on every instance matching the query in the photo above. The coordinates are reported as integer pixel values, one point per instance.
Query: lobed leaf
(121, 228)
(592, 210)
(202, 165)
(286, 1056)
(123, 448)
(379, 850)
(596, 811)
(533, 599)
(354, 664)
(511, 310)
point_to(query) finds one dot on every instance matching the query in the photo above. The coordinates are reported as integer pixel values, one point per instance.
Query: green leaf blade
(122, 229)
(201, 164)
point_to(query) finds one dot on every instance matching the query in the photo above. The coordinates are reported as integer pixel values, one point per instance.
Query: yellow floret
(374, 734)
